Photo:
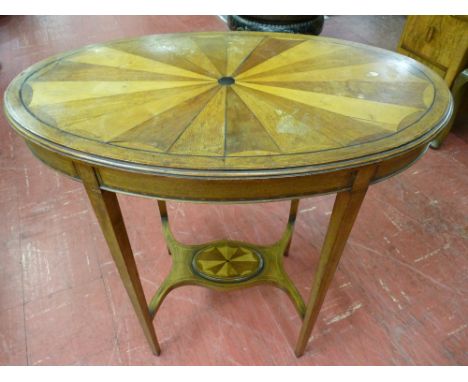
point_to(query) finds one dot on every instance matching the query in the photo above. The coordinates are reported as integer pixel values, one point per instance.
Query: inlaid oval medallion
(227, 263)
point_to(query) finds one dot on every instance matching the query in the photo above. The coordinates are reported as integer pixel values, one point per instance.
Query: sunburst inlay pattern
(227, 263)
(223, 101)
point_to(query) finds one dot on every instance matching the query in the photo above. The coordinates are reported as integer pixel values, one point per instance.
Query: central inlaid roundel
(227, 263)
(226, 81)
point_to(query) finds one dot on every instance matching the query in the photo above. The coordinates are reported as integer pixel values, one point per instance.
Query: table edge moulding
(252, 176)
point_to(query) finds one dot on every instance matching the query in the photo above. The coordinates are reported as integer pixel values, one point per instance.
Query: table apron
(231, 190)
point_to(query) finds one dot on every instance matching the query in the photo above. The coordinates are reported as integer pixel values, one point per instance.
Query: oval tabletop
(206, 103)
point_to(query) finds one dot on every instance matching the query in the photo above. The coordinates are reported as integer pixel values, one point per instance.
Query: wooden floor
(399, 296)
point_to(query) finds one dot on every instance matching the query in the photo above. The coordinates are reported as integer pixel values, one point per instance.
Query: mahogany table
(228, 117)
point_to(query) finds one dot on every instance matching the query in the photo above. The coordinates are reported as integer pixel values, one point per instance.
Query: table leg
(107, 210)
(345, 210)
(164, 217)
(292, 220)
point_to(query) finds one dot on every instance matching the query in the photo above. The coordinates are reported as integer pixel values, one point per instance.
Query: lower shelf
(227, 265)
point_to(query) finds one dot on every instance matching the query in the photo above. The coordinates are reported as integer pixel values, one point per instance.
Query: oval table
(228, 117)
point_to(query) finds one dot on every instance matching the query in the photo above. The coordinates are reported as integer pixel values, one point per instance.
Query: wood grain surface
(207, 104)
(396, 298)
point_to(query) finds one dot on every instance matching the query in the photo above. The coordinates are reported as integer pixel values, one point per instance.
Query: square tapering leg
(107, 210)
(345, 211)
